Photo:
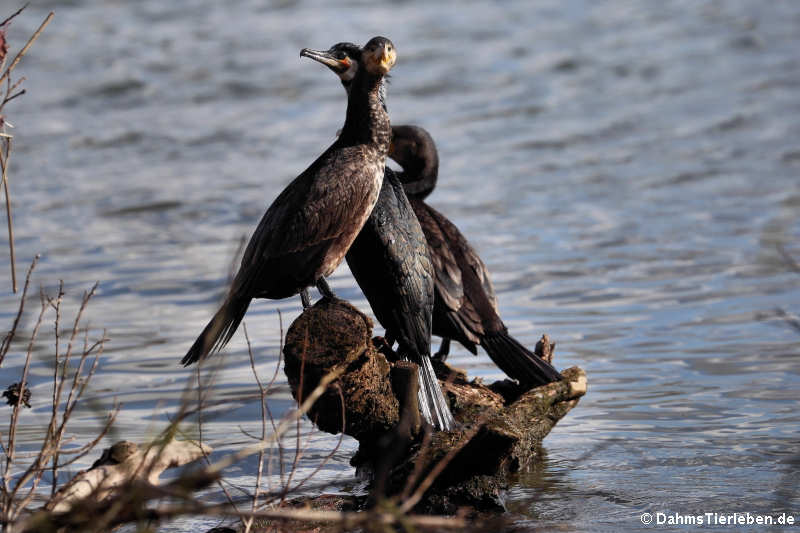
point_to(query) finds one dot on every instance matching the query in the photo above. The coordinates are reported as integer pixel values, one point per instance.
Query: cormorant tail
(432, 404)
(218, 331)
(517, 361)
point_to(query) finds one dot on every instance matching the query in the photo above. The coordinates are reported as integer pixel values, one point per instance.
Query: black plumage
(307, 230)
(465, 305)
(389, 260)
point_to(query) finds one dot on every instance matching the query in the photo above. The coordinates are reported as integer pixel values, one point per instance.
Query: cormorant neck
(420, 163)
(419, 182)
(367, 120)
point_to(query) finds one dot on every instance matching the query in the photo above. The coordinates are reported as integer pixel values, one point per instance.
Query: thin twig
(12, 430)
(125, 508)
(80, 453)
(441, 465)
(269, 411)
(201, 388)
(9, 216)
(69, 406)
(249, 522)
(13, 331)
(4, 157)
(330, 455)
(346, 520)
(7, 99)
(53, 439)
(225, 462)
(25, 48)
(17, 12)
(297, 451)
(419, 466)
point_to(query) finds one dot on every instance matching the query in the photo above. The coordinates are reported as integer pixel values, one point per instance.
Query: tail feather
(432, 404)
(517, 361)
(218, 331)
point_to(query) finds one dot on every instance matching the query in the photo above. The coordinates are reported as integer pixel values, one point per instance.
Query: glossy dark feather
(465, 306)
(306, 232)
(389, 260)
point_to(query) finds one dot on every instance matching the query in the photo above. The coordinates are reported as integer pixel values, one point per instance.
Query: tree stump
(501, 425)
(334, 334)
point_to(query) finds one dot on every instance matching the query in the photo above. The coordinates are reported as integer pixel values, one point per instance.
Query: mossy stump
(501, 425)
(330, 335)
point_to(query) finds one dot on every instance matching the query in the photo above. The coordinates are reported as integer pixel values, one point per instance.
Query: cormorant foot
(324, 289)
(444, 351)
(385, 347)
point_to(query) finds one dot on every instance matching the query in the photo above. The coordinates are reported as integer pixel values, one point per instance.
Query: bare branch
(225, 462)
(249, 522)
(17, 12)
(7, 99)
(25, 48)
(440, 466)
(12, 430)
(9, 216)
(12, 332)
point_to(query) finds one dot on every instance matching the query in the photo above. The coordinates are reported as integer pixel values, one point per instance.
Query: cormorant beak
(327, 59)
(388, 58)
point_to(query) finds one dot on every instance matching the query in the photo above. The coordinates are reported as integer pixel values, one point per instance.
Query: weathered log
(501, 426)
(119, 465)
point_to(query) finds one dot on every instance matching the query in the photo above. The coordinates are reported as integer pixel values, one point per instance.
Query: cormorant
(307, 230)
(389, 260)
(465, 307)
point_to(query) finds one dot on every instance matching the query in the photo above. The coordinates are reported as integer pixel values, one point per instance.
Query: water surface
(627, 170)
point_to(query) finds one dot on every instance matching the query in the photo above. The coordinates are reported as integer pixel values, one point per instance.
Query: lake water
(627, 170)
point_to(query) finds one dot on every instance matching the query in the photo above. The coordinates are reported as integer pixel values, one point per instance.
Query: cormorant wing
(448, 272)
(470, 259)
(413, 312)
(296, 233)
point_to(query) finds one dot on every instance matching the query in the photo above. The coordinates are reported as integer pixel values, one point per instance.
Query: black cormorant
(307, 230)
(465, 307)
(389, 260)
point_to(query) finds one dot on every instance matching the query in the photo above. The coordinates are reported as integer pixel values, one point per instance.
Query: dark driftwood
(502, 425)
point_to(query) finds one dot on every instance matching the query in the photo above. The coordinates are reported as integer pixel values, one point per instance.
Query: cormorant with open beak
(389, 260)
(306, 232)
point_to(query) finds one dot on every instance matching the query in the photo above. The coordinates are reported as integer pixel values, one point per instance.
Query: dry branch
(5, 139)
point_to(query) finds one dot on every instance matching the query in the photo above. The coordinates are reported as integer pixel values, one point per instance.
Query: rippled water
(628, 171)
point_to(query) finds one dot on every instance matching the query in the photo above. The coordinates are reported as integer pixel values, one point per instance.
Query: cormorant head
(414, 149)
(341, 58)
(378, 56)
